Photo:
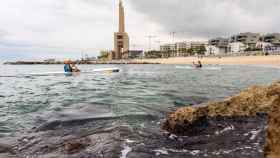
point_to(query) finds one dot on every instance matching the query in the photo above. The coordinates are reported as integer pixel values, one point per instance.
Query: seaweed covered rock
(272, 148)
(250, 102)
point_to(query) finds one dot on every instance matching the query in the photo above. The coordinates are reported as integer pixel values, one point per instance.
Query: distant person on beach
(198, 65)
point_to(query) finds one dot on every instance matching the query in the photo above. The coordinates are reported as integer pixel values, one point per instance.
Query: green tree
(201, 50)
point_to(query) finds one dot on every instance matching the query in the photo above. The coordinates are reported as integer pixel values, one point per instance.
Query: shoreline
(273, 60)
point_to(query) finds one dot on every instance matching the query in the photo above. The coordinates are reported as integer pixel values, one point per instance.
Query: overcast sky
(37, 29)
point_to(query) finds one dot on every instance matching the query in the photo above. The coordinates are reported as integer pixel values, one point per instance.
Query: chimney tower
(121, 38)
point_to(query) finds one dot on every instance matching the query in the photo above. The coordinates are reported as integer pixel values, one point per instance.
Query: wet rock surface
(224, 137)
(250, 102)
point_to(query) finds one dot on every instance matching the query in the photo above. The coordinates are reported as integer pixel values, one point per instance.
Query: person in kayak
(74, 67)
(198, 65)
(67, 66)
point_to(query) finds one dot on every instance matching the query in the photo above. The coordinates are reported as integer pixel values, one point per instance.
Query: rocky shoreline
(235, 127)
(251, 103)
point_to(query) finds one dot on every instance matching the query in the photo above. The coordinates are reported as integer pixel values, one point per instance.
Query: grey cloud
(208, 18)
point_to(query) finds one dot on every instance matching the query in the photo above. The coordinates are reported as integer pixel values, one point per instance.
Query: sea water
(28, 101)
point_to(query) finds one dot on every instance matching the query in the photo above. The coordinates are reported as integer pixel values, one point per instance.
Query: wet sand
(239, 60)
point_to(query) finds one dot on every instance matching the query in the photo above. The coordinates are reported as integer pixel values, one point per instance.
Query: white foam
(225, 130)
(254, 134)
(178, 151)
(129, 141)
(125, 151)
(195, 152)
(161, 152)
(192, 152)
(173, 137)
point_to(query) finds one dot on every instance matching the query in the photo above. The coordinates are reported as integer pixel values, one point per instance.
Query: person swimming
(198, 65)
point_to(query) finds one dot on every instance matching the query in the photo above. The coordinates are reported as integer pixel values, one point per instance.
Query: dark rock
(76, 145)
(4, 148)
(250, 102)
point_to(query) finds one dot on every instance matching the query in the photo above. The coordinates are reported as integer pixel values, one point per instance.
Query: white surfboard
(107, 70)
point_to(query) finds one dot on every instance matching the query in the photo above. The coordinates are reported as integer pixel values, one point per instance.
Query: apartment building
(248, 38)
(169, 49)
(182, 47)
(217, 46)
(273, 38)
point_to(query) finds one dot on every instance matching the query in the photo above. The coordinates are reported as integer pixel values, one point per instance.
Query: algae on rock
(250, 102)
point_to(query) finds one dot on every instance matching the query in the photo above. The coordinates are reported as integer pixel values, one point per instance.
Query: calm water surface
(137, 89)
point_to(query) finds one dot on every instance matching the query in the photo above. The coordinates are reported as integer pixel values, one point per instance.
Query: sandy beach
(239, 60)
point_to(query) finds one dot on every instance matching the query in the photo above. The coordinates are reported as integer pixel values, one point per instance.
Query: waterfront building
(182, 48)
(134, 54)
(198, 48)
(242, 43)
(155, 54)
(121, 38)
(168, 50)
(263, 45)
(219, 42)
(273, 38)
(237, 47)
(248, 38)
(198, 44)
(214, 50)
(217, 46)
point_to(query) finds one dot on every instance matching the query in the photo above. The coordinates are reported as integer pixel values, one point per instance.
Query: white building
(214, 50)
(169, 48)
(237, 47)
(182, 47)
(249, 39)
(263, 45)
(217, 46)
(273, 38)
